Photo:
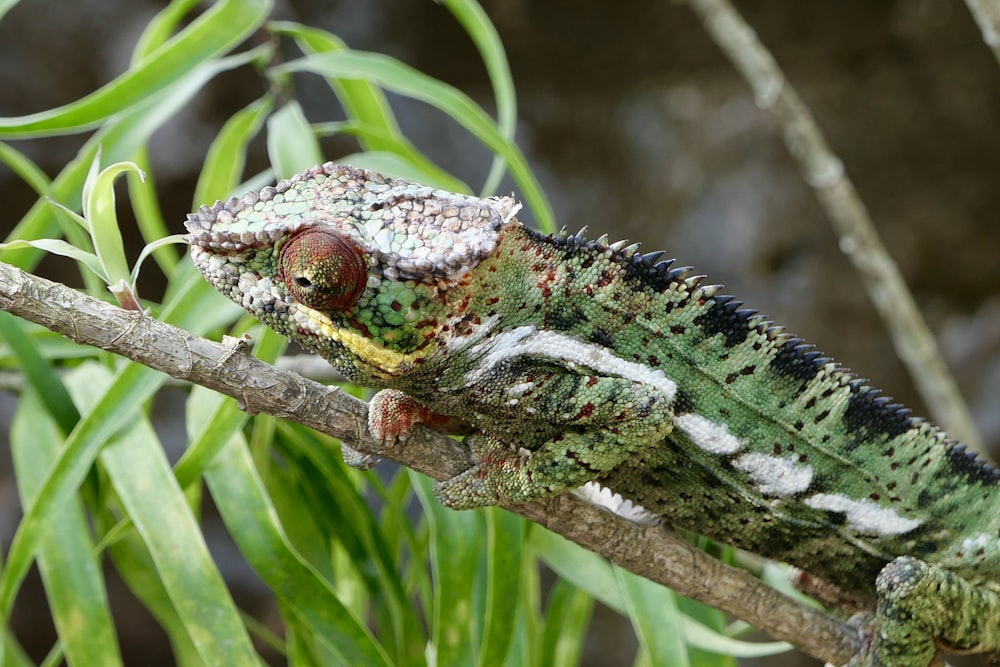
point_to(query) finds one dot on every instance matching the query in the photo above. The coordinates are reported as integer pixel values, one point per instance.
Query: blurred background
(636, 126)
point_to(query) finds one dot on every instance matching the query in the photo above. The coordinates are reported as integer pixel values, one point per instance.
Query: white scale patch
(864, 516)
(708, 435)
(529, 341)
(981, 541)
(775, 476)
(476, 331)
(520, 389)
(604, 497)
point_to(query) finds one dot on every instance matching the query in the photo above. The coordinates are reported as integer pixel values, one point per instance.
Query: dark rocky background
(638, 127)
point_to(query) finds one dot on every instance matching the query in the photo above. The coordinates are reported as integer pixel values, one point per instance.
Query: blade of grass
(134, 563)
(405, 80)
(133, 385)
(455, 538)
(70, 569)
(217, 31)
(40, 375)
(652, 609)
(226, 158)
(567, 617)
(26, 170)
(6, 6)
(160, 27)
(343, 511)
(505, 533)
(291, 143)
(152, 499)
(366, 104)
(117, 141)
(251, 519)
(478, 27)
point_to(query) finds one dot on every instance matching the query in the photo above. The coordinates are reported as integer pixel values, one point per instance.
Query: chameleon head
(347, 263)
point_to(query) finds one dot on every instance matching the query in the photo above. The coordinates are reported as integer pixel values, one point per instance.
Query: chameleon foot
(392, 413)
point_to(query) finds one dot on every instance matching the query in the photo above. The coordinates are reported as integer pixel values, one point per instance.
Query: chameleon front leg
(922, 606)
(600, 423)
(575, 427)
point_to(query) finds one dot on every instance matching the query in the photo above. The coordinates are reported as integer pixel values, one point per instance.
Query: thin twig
(654, 552)
(987, 15)
(859, 240)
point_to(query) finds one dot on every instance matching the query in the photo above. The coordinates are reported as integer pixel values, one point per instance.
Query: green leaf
(116, 141)
(218, 30)
(226, 158)
(64, 249)
(338, 497)
(478, 26)
(367, 106)
(655, 619)
(291, 143)
(505, 534)
(39, 374)
(26, 170)
(148, 216)
(160, 27)
(6, 6)
(133, 385)
(252, 520)
(699, 636)
(70, 569)
(582, 568)
(155, 504)
(404, 80)
(454, 536)
(567, 618)
(102, 220)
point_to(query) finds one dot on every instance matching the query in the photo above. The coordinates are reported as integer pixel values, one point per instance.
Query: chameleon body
(574, 361)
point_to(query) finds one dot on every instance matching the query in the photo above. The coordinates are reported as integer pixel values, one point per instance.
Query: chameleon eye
(321, 270)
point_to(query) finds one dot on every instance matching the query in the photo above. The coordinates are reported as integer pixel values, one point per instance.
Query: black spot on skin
(870, 416)
(601, 337)
(566, 319)
(967, 464)
(835, 518)
(797, 360)
(725, 317)
(682, 402)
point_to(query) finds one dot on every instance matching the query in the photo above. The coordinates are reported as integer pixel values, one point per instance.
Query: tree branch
(859, 240)
(987, 16)
(654, 552)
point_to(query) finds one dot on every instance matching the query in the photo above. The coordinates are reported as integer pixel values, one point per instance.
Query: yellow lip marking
(386, 360)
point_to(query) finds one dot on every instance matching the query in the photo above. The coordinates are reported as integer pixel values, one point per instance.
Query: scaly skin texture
(575, 361)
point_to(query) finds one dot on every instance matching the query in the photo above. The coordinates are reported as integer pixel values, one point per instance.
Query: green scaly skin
(576, 361)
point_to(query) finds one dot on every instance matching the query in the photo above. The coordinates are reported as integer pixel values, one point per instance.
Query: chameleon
(572, 361)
